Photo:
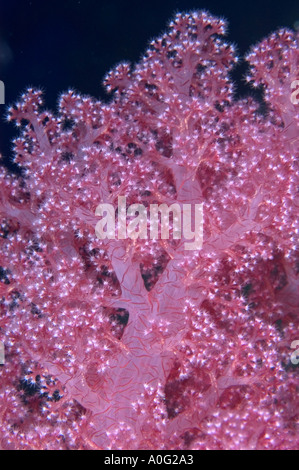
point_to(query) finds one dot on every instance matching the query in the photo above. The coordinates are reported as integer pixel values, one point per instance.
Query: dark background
(73, 43)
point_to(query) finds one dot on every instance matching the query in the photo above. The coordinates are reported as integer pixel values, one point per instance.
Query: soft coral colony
(140, 344)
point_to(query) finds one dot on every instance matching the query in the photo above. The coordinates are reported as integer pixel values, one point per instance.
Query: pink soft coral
(140, 344)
